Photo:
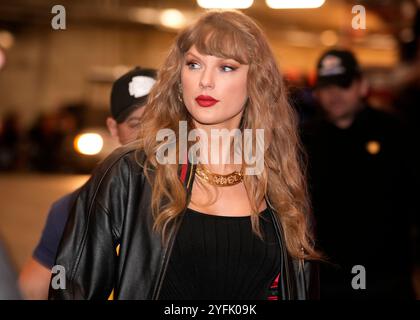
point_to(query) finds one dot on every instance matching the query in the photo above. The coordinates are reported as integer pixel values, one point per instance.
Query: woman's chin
(212, 116)
(206, 119)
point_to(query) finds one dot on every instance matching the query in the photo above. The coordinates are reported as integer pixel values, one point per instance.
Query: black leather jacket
(113, 209)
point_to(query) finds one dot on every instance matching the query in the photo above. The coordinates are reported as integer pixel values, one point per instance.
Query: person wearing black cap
(128, 100)
(340, 87)
(128, 97)
(359, 176)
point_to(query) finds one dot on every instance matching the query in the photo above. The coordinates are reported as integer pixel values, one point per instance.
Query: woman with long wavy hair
(202, 226)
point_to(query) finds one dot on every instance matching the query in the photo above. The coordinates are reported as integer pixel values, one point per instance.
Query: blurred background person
(407, 79)
(362, 185)
(406, 83)
(8, 284)
(11, 135)
(128, 100)
(44, 141)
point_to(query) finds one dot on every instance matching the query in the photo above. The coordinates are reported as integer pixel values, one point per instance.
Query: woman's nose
(207, 79)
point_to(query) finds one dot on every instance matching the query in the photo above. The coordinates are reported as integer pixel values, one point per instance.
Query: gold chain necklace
(220, 180)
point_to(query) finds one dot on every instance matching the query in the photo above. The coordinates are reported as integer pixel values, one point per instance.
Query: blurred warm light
(2, 59)
(407, 35)
(6, 39)
(301, 38)
(225, 4)
(381, 42)
(88, 143)
(145, 15)
(329, 38)
(172, 18)
(408, 9)
(294, 4)
(373, 147)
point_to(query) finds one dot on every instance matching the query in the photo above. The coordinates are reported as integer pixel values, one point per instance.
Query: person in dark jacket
(362, 185)
(186, 227)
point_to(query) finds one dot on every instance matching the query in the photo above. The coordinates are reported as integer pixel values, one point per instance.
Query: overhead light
(88, 143)
(225, 4)
(294, 4)
(172, 18)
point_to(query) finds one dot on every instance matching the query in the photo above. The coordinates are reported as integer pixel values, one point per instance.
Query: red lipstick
(206, 101)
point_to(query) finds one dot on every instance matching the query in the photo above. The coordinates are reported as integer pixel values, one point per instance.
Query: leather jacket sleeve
(87, 251)
(311, 280)
(311, 268)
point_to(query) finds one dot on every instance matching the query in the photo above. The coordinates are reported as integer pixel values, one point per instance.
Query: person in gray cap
(128, 100)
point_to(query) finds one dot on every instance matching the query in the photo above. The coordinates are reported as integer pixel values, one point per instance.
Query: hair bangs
(219, 39)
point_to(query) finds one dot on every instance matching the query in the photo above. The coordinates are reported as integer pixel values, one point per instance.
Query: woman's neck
(220, 146)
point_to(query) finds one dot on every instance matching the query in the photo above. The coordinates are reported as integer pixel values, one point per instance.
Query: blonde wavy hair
(232, 34)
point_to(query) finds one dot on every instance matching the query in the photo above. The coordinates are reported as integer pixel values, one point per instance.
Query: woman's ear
(112, 127)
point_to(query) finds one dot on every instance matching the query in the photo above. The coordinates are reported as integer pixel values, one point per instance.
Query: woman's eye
(228, 68)
(192, 65)
(195, 65)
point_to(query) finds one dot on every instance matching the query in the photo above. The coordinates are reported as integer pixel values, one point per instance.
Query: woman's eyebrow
(230, 60)
(192, 54)
(221, 59)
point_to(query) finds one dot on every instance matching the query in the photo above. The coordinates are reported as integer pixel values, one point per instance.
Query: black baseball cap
(131, 91)
(337, 67)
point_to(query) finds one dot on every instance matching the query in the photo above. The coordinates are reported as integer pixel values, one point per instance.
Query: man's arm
(34, 280)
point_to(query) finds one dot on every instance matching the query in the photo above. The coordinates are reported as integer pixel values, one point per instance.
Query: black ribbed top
(219, 257)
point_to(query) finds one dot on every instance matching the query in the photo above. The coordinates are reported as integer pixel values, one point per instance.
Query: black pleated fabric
(219, 257)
